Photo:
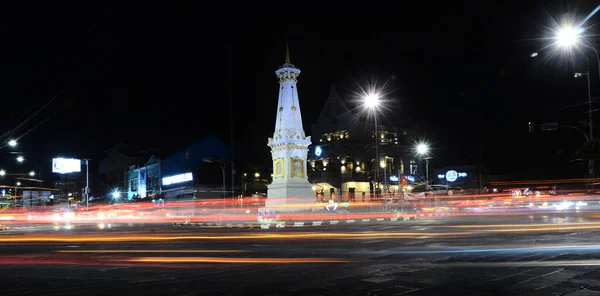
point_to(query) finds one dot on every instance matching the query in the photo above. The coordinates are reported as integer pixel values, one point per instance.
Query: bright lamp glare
(20, 159)
(422, 148)
(116, 194)
(12, 143)
(371, 100)
(569, 36)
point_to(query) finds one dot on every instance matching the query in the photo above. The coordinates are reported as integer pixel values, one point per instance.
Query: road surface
(556, 254)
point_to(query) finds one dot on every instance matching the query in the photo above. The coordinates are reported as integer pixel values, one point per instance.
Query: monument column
(289, 144)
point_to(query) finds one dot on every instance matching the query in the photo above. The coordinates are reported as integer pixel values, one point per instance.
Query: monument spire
(287, 53)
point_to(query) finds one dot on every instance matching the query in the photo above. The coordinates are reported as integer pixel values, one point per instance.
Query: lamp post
(371, 101)
(567, 38)
(423, 149)
(86, 162)
(220, 163)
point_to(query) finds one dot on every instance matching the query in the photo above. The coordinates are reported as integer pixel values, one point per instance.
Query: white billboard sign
(177, 179)
(66, 165)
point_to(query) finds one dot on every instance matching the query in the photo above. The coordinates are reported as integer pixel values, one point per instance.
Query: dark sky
(156, 74)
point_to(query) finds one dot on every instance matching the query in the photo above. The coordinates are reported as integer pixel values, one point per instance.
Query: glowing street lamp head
(32, 173)
(116, 194)
(2, 172)
(20, 159)
(371, 100)
(12, 143)
(18, 183)
(422, 149)
(568, 37)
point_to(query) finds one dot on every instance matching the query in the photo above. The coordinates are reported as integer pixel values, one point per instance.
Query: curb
(434, 215)
(283, 224)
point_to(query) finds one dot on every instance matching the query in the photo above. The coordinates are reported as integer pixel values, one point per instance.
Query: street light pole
(210, 160)
(591, 169)
(376, 154)
(87, 182)
(427, 172)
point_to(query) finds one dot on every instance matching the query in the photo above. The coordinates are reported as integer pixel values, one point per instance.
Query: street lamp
(20, 159)
(210, 160)
(423, 150)
(2, 173)
(18, 183)
(12, 143)
(371, 101)
(567, 38)
(32, 173)
(257, 175)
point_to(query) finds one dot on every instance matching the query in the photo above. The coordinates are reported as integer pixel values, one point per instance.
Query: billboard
(177, 179)
(66, 165)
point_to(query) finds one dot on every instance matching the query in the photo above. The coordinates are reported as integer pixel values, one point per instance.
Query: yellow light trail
(543, 229)
(236, 260)
(97, 239)
(516, 225)
(151, 251)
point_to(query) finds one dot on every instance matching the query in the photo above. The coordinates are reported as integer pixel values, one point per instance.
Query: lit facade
(183, 174)
(144, 181)
(343, 160)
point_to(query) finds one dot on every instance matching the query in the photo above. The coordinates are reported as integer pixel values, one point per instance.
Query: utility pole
(592, 171)
(87, 182)
(231, 118)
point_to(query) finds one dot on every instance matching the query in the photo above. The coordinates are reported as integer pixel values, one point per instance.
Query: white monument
(289, 145)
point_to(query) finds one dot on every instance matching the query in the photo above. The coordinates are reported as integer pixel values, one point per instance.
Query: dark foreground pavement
(546, 255)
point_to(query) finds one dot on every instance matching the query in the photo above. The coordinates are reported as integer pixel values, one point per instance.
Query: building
(343, 163)
(145, 180)
(196, 171)
(113, 168)
(289, 144)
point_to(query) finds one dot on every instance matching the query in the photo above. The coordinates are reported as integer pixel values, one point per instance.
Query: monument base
(290, 193)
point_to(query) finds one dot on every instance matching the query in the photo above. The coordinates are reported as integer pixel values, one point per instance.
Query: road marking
(350, 221)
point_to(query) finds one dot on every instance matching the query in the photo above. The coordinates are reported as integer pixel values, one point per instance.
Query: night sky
(157, 74)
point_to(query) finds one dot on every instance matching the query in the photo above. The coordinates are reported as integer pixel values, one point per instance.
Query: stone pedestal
(292, 192)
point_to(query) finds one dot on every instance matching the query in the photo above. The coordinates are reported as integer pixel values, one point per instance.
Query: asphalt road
(502, 255)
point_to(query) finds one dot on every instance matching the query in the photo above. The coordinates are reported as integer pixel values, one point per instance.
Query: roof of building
(193, 155)
(334, 106)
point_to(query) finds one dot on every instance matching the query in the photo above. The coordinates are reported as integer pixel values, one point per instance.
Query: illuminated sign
(394, 178)
(66, 165)
(410, 178)
(318, 151)
(177, 179)
(452, 175)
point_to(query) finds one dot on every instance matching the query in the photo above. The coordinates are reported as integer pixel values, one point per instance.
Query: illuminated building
(182, 174)
(144, 181)
(289, 144)
(342, 159)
